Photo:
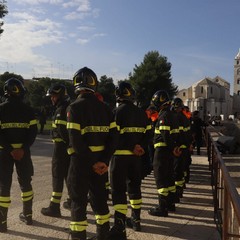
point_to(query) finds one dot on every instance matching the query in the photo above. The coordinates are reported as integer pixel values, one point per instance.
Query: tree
(3, 13)
(106, 88)
(153, 74)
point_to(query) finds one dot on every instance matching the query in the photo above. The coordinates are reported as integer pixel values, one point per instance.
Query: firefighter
(18, 130)
(93, 138)
(165, 144)
(125, 168)
(185, 141)
(61, 158)
(188, 159)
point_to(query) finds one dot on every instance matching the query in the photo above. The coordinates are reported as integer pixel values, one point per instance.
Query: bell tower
(236, 87)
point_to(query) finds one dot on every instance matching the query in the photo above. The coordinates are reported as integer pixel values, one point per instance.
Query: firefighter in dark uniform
(184, 140)
(165, 144)
(61, 158)
(125, 167)
(18, 130)
(93, 139)
(188, 159)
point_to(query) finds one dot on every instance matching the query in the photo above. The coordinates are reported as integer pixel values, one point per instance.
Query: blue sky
(54, 38)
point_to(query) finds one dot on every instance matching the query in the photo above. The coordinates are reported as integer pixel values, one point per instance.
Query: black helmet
(57, 89)
(85, 79)
(125, 91)
(159, 98)
(177, 103)
(14, 87)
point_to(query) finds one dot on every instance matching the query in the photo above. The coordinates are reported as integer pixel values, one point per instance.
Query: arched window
(238, 71)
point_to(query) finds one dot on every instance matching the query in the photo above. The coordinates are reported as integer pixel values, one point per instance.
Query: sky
(55, 38)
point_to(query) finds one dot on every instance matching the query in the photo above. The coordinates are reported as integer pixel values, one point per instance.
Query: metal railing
(225, 195)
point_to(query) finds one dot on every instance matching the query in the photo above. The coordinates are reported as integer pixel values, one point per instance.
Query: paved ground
(193, 219)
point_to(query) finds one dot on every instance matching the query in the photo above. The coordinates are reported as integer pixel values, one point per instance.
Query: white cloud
(82, 41)
(20, 39)
(82, 5)
(37, 2)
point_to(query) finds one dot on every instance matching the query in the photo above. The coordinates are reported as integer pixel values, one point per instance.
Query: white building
(210, 96)
(236, 85)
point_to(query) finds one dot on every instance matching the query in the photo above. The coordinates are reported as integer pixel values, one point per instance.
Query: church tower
(236, 88)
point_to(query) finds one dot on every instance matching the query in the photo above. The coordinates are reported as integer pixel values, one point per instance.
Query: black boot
(134, 221)
(67, 204)
(102, 232)
(118, 231)
(78, 235)
(161, 210)
(171, 199)
(3, 219)
(26, 215)
(179, 191)
(52, 211)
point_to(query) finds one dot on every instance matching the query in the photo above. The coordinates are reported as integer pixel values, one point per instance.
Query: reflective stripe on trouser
(78, 226)
(121, 208)
(56, 197)
(172, 189)
(101, 219)
(163, 191)
(27, 196)
(136, 203)
(5, 202)
(180, 183)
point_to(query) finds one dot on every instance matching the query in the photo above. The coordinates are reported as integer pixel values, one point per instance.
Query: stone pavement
(193, 219)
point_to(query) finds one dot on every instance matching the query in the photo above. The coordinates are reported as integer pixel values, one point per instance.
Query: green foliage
(106, 88)
(3, 12)
(153, 74)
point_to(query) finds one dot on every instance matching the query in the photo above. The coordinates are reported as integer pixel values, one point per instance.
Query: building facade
(211, 96)
(236, 85)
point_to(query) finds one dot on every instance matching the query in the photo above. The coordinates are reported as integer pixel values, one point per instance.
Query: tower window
(238, 81)
(184, 94)
(211, 90)
(201, 89)
(238, 71)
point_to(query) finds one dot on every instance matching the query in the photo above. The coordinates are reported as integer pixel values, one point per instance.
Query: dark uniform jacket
(166, 129)
(18, 125)
(185, 134)
(91, 127)
(134, 128)
(59, 122)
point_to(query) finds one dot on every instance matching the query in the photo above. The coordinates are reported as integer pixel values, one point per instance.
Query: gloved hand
(100, 168)
(138, 150)
(17, 154)
(177, 151)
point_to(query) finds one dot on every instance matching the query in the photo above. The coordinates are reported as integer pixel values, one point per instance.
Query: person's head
(159, 99)
(177, 104)
(85, 79)
(196, 113)
(125, 92)
(57, 92)
(14, 88)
